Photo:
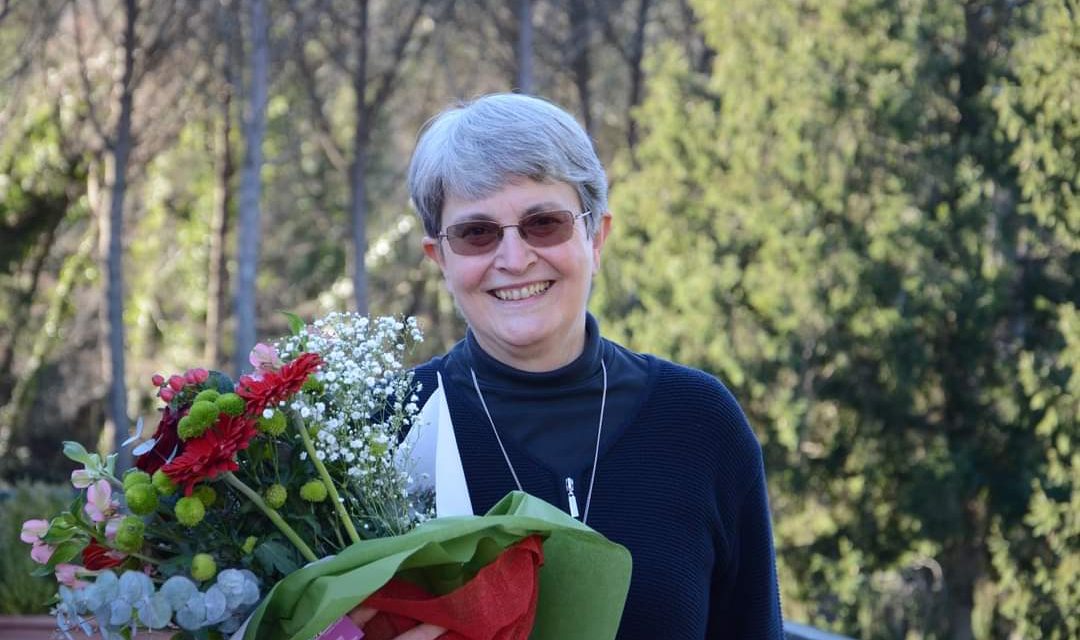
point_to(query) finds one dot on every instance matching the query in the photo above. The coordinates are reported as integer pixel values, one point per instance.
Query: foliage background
(862, 215)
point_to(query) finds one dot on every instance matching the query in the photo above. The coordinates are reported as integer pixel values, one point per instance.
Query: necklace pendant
(571, 498)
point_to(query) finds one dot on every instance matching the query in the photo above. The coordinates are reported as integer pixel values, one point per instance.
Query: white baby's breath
(365, 404)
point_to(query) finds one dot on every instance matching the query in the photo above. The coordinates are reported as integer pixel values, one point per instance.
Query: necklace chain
(596, 453)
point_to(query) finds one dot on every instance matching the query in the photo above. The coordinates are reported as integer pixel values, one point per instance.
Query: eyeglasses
(541, 229)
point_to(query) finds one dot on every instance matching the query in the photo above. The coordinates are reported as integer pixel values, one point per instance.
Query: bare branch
(84, 78)
(608, 28)
(323, 131)
(385, 81)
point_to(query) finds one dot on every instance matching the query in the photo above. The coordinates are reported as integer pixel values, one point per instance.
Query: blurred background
(862, 215)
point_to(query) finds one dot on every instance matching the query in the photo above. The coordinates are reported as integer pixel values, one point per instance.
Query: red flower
(166, 442)
(96, 557)
(212, 453)
(275, 386)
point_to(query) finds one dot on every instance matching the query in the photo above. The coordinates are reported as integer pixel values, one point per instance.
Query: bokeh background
(862, 215)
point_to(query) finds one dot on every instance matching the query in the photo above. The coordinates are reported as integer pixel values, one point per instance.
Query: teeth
(522, 292)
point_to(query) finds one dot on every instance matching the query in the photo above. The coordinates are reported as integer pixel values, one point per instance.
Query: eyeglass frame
(501, 233)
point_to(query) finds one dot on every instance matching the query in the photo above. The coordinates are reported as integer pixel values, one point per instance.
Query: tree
(830, 221)
(249, 229)
(374, 76)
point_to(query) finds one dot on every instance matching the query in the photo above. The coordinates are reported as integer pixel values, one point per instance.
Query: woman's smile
(523, 292)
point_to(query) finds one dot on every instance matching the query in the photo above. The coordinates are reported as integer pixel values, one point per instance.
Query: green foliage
(20, 593)
(864, 221)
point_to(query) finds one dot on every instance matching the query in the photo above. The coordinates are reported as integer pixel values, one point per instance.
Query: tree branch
(385, 81)
(84, 78)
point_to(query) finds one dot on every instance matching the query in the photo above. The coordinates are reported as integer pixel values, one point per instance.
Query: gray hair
(472, 150)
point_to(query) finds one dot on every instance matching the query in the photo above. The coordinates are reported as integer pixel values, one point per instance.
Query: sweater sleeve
(745, 599)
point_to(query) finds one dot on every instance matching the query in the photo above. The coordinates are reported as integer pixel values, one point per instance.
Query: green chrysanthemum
(141, 498)
(129, 535)
(313, 491)
(134, 477)
(208, 395)
(203, 567)
(230, 404)
(203, 413)
(276, 495)
(273, 426)
(163, 483)
(206, 494)
(190, 511)
(188, 428)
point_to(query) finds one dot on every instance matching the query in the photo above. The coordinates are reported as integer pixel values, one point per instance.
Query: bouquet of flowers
(284, 499)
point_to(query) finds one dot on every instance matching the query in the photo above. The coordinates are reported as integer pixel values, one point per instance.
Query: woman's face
(525, 304)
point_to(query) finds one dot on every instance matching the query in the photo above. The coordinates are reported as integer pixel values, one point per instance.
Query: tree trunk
(248, 232)
(116, 174)
(580, 32)
(357, 173)
(218, 279)
(525, 47)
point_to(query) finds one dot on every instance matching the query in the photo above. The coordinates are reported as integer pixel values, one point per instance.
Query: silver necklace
(571, 498)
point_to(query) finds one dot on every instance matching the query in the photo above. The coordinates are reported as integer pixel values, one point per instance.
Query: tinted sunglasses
(541, 229)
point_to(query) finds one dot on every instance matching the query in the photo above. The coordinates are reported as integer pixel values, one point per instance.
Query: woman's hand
(361, 615)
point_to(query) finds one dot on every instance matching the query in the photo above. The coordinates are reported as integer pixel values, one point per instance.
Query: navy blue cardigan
(682, 487)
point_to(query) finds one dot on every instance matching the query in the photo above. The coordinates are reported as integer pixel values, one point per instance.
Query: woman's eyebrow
(544, 206)
(536, 208)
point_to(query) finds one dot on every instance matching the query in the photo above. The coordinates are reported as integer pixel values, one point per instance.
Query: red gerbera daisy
(97, 556)
(212, 453)
(275, 386)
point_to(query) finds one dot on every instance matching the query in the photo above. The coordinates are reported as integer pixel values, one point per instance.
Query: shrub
(21, 593)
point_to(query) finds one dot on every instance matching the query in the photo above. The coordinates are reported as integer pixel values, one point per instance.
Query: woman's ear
(433, 250)
(600, 238)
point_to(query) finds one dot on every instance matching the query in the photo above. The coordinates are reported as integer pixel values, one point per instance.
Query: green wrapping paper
(583, 582)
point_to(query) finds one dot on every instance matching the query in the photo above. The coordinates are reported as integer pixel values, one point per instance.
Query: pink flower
(41, 552)
(65, 574)
(112, 526)
(33, 530)
(201, 375)
(99, 504)
(80, 478)
(264, 357)
(158, 380)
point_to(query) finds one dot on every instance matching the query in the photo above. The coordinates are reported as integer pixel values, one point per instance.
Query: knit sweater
(680, 484)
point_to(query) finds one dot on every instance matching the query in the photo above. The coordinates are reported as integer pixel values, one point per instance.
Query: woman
(655, 456)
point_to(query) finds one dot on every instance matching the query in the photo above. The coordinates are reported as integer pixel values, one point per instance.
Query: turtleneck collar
(495, 373)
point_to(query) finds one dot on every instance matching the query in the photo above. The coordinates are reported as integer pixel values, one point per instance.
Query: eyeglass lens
(543, 229)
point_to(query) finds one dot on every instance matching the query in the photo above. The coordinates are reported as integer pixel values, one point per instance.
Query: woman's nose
(514, 254)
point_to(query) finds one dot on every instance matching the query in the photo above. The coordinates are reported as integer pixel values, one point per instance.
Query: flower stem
(278, 521)
(343, 515)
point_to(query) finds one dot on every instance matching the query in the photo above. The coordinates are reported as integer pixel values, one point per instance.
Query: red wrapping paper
(499, 603)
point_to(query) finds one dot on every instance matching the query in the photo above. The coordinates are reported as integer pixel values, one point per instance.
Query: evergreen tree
(840, 222)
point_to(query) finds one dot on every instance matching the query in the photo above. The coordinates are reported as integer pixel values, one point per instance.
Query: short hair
(473, 149)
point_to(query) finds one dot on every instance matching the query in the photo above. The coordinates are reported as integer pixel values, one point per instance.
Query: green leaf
(296, 323)
(77, 452)
(59, 531)
(276, 556)
(66, 551)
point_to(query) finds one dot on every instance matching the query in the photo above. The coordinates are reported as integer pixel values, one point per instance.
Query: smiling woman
(655, 456)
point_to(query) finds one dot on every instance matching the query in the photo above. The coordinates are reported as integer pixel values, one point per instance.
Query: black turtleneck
(552, 416)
